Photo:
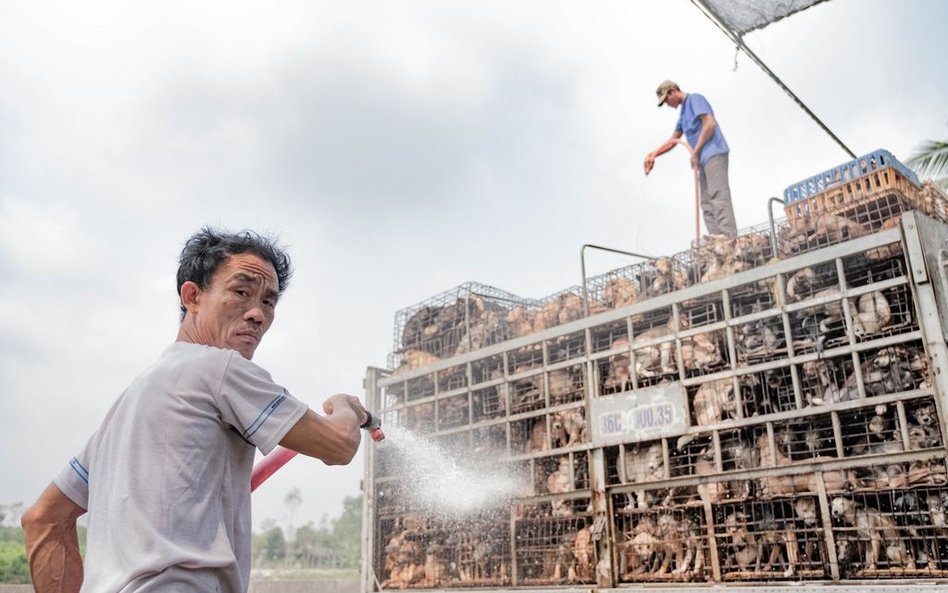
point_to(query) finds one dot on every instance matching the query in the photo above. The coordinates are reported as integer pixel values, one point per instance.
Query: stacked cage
(780, 421)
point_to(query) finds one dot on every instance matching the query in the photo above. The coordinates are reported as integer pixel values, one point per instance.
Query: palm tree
(931, 160)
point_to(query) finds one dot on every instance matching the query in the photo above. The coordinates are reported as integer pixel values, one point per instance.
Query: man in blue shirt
(709, 155)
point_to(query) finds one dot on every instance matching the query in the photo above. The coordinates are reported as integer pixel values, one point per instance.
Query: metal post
(773, 226)
(582, 267)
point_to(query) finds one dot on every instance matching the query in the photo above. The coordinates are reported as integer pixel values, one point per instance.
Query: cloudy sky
(398, 149)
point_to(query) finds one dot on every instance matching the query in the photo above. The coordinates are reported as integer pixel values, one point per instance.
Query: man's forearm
(53, 553)
(52, 542)
(707, 130)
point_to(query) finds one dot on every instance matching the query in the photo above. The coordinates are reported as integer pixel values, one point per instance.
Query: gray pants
(716, 197)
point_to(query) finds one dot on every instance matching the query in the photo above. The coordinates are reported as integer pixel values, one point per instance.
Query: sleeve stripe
(271, 407)
(79, 469)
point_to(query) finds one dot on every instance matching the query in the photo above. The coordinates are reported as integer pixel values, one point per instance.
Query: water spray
(281, 455)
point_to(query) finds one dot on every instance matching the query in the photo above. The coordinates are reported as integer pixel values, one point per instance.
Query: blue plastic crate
(865, 165)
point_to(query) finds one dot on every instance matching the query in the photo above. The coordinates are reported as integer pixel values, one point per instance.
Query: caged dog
(938, 518)
(742, 548)
(716, 401)
(778, 456)
(777, 541)
(568, 428)
(558, 482)
(681, 537)
(726, 257)
(584, 555)
(666, 277)
(644, 463)
(890, 370)
(873, 530)
(620, 292)
(814, 232)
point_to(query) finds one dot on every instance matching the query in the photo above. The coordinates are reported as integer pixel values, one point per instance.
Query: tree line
(335, 543)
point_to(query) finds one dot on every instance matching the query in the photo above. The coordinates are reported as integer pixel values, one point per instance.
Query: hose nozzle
(373, 424)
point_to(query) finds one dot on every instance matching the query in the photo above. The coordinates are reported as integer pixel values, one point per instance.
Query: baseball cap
(663, 90)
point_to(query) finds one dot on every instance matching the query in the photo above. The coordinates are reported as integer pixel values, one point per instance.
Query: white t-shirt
(166, 478)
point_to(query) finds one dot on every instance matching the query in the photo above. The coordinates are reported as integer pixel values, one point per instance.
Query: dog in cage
(560, 481)
(875, 531)
(657, 359)
(520, 321)
(650, 361)
(644, 463)
(848, 551)
(723, 258)
(477, 557)
(487, 562)
(713, 491)
(562, 387)
(538, 436)
(526, 394)
(743, 455)
(926, 417)
(776, 542)
(681, 541)
(404, 561)
(414, 359)
(871, 313)
(435, 567)
(890, 370)
(620, 292)
(568, 428)
(666, 277)
(584, 555)
(715, 401)
(563, 309)
(820, 231)
(487, 323)
(759, 338)
(641, 551)
(742, 547)
(778, 456)
(699, 352)
(806, 282)
(938, 518)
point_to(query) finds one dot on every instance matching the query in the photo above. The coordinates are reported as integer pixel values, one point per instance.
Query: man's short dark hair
(208, 248)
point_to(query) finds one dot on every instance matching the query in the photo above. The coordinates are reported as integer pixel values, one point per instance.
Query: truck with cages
(755, 411)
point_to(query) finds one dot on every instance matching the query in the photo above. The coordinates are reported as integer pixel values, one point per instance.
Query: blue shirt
(689, 124)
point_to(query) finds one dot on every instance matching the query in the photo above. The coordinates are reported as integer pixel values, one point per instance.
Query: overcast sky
(398, 149)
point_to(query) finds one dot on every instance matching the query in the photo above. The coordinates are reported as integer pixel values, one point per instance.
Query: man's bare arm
(52, 542)
(335, 437)
(665, 147)
(707, 130)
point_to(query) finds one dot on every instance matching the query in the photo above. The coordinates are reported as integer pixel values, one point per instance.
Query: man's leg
(716, 197)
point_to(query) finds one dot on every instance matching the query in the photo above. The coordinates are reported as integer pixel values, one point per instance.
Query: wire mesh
(767, 540)
(554, 549)
(465, 318)
(663, 545)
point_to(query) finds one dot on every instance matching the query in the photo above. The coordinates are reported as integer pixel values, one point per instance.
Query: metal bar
(773, 225)
(739, 41)
(582, 266)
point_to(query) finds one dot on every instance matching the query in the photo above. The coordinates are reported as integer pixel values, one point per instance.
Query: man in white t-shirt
(165, 479)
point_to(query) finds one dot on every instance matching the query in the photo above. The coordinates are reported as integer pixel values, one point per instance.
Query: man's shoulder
(697, 103)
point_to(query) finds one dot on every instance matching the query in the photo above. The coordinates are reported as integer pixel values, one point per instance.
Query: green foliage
(334, 543)
(931, 160)
(274, 545)
(13, 567)
(347, 532)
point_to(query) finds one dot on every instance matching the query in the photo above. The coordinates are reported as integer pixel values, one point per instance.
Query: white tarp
(742, 16)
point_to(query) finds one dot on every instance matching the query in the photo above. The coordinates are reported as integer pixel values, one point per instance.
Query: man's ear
(190, 296)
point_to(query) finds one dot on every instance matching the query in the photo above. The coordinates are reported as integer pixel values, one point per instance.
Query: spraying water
(449, 485)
